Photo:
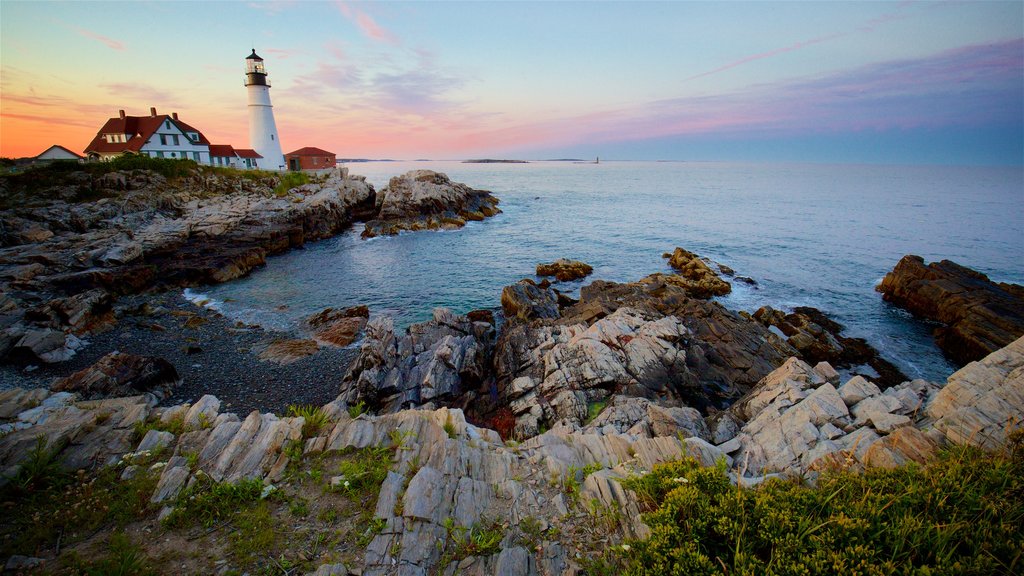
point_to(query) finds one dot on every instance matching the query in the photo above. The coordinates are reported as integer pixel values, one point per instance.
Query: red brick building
(310, 158)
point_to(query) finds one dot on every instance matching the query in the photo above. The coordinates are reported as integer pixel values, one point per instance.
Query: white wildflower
(158, 465)
(625, 547)
(680, 480)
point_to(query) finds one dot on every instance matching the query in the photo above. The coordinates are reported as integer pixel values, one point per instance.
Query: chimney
(152, 111)
(174, 115)
(121, 113)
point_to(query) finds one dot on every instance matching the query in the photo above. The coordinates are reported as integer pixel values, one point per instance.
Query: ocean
(810, 235)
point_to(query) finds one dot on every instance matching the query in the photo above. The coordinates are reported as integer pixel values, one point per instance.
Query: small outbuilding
(310, 158)
(57, 152)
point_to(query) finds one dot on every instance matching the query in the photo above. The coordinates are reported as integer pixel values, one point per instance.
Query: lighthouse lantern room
(263, 137)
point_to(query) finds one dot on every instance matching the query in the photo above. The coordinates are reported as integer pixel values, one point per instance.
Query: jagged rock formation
(121, 374)
(699, 280)
(818, 339)
(332, 327)
(448, 473)
(565, 270)
(980, 316)
(427, 200)
(439, 362)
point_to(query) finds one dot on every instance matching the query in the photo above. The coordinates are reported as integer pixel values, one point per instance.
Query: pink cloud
(768, 54)
(110, 42)
(367, 24)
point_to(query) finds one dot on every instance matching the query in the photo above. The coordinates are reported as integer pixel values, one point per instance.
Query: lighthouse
(263, 137)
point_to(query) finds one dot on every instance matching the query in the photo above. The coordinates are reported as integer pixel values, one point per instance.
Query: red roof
(310, 151)
(139, 129)
(222, 150)
(247, 153)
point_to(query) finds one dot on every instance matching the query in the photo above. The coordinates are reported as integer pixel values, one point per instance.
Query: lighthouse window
(271, 136)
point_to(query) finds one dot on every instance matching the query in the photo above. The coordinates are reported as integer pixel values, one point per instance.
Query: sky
(853, 82)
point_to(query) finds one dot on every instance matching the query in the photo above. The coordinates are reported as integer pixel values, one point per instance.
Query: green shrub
(125, 559)
(593, 409)
(355, 410)
(314, 419)
(961, 514)
(364, 471)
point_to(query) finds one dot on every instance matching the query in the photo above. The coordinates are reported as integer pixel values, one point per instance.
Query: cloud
(137, 91)
(110, 42)
(366, 24)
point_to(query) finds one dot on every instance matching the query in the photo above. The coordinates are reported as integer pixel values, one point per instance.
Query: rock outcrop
(526, 300)
(979, 316)
(427, 200)
(147, 233)
(818, 338)
(699, 280)
(443, 361)
(121, 374)
(565, 270)
(340, 328)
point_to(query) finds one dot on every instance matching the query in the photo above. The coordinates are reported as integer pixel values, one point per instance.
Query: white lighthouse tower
(263, 137)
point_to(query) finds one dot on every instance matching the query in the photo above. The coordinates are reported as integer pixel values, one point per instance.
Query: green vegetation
(961, 514)
(355, 410)
(210, 503)
(364, 471)
(175, 426)
(124, 559)
(290, 180)
(314, 419)
(593, 409)
(449, 427)
(53, 505)
(480, 539)
(574, 478)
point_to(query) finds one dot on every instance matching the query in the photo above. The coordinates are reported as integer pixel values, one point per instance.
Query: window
(195, 156)
(159, 154)
(163, 140)
(271, 136)
(167, 124)
(174, 137)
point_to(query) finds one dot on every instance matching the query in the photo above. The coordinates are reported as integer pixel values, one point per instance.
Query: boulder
(427, 200)
(565, 270)
(526, 301)
(121, 374)
(289, 350)
(979, 316)
(699, 280)
(340, 328)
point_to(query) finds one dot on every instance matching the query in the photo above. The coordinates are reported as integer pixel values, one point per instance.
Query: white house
(158, 136)
(57, 152)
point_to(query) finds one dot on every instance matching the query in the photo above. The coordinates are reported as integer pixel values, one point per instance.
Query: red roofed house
(227, 155)
(310, 159)
(158, 136)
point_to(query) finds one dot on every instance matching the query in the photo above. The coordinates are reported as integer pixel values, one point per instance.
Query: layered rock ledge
(427, 200)
(979, 316)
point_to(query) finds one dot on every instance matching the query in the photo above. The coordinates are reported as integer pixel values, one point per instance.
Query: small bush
(355, 410)
(593, 409)
(314, 419)
(125, 559)
(208, 502)
(364, 472)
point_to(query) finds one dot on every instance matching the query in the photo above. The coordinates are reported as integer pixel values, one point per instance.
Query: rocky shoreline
(520, 431)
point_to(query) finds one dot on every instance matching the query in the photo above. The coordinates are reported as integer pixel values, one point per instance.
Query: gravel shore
(211, 354)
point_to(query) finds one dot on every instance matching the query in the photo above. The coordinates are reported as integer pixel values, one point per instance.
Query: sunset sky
(900, 82)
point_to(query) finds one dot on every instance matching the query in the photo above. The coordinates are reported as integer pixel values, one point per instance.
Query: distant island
(493, 161)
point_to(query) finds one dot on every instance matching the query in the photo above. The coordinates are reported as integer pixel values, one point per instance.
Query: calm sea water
(811, 235)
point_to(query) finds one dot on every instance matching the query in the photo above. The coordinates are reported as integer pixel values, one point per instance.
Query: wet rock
(526, 301)
(980, 316)
(818, 339)
(427, 200)
(565, 270)
(699, 280)
(339, 328)
(121, 374)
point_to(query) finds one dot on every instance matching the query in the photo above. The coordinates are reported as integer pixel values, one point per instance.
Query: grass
(314, 419)
(449, 427)
(290, 180)
(363, 472)
(480, 539)
(357, 409)
(175, 426)
(961, 514)
(60, 507)
(125, 558)
(208, 503)
(574, 478)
